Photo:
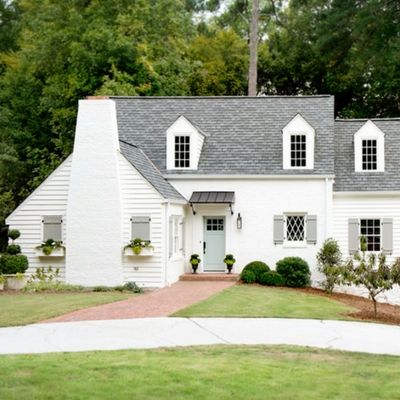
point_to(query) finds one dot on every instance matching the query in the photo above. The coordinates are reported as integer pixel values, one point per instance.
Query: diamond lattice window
(371, 229)
(295, 228)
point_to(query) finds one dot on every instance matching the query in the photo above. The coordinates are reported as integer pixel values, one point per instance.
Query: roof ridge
(366, 119)
(221, 97)
(130, 144)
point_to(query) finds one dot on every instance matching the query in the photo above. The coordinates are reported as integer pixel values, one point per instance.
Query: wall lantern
(239, 221)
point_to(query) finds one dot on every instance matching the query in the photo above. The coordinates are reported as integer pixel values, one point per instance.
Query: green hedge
(295, 271)
(257, 267)
(272, 278)
(13, 264)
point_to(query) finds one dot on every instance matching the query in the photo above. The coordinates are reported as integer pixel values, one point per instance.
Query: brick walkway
(160, 303)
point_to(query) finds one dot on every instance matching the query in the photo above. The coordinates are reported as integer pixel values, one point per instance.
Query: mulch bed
(387, 313)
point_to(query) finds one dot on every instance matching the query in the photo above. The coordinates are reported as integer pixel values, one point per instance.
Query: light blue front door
(214, 244)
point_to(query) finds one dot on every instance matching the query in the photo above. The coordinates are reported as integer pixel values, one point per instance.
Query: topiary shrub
(13, 249)
(13, 264)
(248, 276)
(272, 278)
(14, 234)
(257, 267)
(295, 271)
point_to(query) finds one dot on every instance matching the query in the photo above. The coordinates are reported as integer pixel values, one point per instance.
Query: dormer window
(298, 144)
(369, 149)
(369, 155)
(184, 144)
(182, 151)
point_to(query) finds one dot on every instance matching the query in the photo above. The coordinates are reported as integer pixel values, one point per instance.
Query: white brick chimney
(93, 231)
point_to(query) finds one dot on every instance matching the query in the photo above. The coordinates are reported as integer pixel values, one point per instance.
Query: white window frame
(369, 131)
(176, 236)
(183, 127)
(298, 126)
(290, 243)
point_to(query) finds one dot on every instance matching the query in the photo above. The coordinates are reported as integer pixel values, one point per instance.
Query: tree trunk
(252, 86)
(375, 308)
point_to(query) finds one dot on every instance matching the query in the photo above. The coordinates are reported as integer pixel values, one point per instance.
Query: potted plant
(16, 281)
(229, 260)
(137, 245)
(50, 246)
(2, 281)
(13, 264)
(195, 261)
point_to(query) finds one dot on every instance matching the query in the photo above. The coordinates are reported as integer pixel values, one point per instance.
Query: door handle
(204, 247)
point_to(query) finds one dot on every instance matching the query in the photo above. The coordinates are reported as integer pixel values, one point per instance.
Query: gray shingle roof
(244, 134)
(346, 178)
(146, 168)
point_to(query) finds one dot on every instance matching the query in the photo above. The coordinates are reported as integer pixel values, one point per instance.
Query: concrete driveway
(146, 333)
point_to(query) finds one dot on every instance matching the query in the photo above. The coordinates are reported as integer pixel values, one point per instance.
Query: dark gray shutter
(170, 236)
(52, 228)
(387, 235)
(140, 228)
(278, 229)
(354, 235)
(311, 229)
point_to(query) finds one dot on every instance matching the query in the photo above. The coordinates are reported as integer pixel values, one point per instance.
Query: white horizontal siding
(50, 198)
(140, 198)
(346, 207)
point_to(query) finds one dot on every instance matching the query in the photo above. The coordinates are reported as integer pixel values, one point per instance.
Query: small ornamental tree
(329, 260)
(372, 272)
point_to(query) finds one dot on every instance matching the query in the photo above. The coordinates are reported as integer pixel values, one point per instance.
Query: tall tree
(253, 45)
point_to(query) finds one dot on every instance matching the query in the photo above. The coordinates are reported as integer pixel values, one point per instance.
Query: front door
(214, 244)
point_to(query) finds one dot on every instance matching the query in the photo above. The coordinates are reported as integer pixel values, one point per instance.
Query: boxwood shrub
(295, 271)
(13, 264)
(248, 276)
(257, 267)
(272, 278)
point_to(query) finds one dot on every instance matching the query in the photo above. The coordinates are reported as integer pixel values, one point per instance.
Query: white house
(259, 177)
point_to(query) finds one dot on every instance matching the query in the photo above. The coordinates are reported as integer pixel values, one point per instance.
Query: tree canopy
(53, 53)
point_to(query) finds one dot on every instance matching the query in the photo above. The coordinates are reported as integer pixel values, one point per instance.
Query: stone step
(209, 277)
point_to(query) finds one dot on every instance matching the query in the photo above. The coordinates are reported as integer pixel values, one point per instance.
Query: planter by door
(214, 244)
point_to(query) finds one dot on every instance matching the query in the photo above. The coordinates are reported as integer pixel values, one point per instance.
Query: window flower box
(59, 252)
(145, 252)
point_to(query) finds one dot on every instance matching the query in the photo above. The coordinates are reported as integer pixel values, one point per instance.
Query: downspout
(328, 207)
(166, 241)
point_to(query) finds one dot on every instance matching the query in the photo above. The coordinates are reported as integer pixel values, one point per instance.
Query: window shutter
(354, 239)
(311, 229)
(171, 236)
(52, 228)
(387, 235)
(140, 228)
(278, 229)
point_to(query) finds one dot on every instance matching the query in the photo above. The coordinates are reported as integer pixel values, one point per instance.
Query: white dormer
(298, 144)
(184, 144)
(369, 148)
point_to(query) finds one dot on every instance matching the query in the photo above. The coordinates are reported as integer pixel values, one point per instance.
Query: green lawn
(218, 372)
(24, 308)
(261, 301)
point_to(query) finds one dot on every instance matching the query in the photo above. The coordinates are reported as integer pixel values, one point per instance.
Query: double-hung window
(182, 151)
(298, 154)
(369, 155)
(371, 230)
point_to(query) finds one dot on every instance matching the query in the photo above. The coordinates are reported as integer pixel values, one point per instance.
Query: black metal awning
(212, 198)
